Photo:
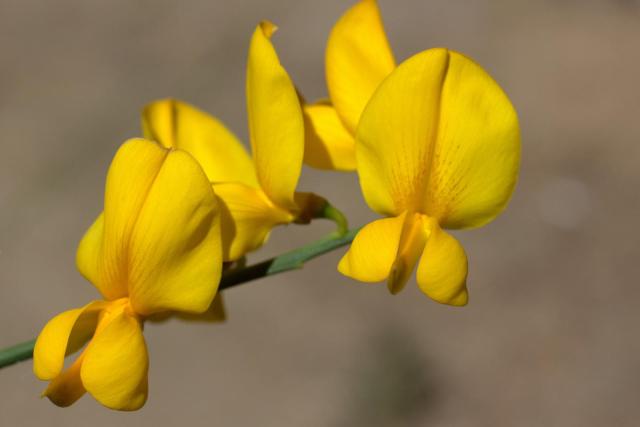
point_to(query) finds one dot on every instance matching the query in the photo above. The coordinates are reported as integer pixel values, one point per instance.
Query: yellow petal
(104, 250)
(328, 144)
(477, 154)
(89, 260)
(176, 124)
(373, 251)
(439, 137)
(442, 270)
(175, 251)
(358, 58)
(412, 241)
(62, 335)
(396, 134)
(114, 370)
(159, 241)
(275, 117)
(214, 314)
(67, 387)
(247, 218)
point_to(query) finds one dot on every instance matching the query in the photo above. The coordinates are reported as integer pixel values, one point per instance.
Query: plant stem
(288, 261)
(331, 213)
(16, 353)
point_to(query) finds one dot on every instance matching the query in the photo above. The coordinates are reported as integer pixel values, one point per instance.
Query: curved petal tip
(268, 28)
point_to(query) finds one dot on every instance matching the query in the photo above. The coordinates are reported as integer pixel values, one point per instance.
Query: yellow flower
(155, 249)
(438, 146)
(357, 59)
(257, 192)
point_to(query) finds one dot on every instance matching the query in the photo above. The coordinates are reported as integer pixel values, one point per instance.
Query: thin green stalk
(330, 212)
(288, 261)
(291, 260)
(16, 353)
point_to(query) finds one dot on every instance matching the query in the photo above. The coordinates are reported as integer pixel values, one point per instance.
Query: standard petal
(215, 313)
(176, 124)
(358, 58)
(396, 134)
(103, 253)
(247, 218)
(159, 239)
(115, 366)
(62, 335)
(373, 251)
(89, 259)
(328, 144)
(477, 153)
(442, 270)
(175, 252)
(276, 124)
(67, 387)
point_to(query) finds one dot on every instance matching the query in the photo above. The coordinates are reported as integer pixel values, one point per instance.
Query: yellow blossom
(259, 191)
(357, 59)
(438, 146)
(154, 250)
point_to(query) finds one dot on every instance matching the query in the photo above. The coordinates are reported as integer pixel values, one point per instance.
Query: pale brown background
(550, 336)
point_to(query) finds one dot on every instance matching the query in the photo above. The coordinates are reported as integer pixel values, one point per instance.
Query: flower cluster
(435, 143)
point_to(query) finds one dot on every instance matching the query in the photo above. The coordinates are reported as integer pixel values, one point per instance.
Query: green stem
(288, 261)
(292, 260)
(16, 353)
(332, 213)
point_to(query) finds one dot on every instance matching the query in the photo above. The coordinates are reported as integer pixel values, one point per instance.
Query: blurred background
(550, 335)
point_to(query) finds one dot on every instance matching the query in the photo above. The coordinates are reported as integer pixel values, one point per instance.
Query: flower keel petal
(412, 241)
(373, 251)
(62, 335)
(66, 388)
(114, 370)
(442, 270)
